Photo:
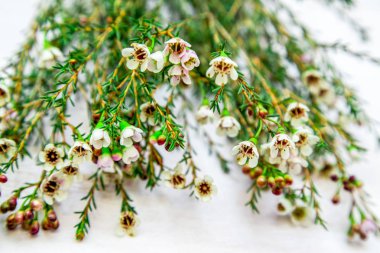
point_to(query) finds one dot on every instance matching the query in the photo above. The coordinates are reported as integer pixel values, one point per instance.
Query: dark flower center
(52, 156)
(297, 112)
(150, 110)
(80, 151)
(178, 180)
(141, 54)
(222, 67)
(70, 170)
(4, 148)
(51, 187)
(204, 188)
(312, 79)
(127, 221)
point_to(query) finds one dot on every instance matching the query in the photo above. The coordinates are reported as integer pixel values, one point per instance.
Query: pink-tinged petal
(127, 52)
(234, 74)
(174, 80)
(132, 64)
(137, 137)
(174, 58)
(176, 70)
(186, 79)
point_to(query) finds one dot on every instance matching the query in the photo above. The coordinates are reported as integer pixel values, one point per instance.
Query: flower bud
(34, 228)
(54, 225)
(26, 225)
(334, 177)
(161, 139)
(277, 191)
(46, 224)
(288, 180)
(52, 216)
(3, 179)
(36, 204)
(246, 170)
(12, 201)
(11, 224)
(19, 217)
(279, 181)
(261, 181)
(336, 199)
(28, 215)
(80, 236)
(271, 182)
(4, 207)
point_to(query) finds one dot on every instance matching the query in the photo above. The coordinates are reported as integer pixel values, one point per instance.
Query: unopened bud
(336, 199)
(271, 182)
(161, 139)
(3, 179)
(19, 217)
(277, 191)
(51, 215)
(261, 181)
(34, 228)
(246, 170)
(36, 204)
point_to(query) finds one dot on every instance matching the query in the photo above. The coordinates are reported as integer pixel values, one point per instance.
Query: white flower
(100, 138)
(130, 154)
(147, 113)
(190, 60)
(284, 206)
(54, 188)
(137, 55)
(52, 157)
(326, 95)
(128, 223)
(80, 152)
(4, 95)
(281, 146)
(178, 73)
(229, 126)
(129, 135)
(70, 171)
(105, 161)
(297, 114)
(304, 140)
(294, 165)
(204, 114)
(175, 48)
(7, 149)
(49, 57)
(177, 179)
(246, 153)
(204, 188)
(156, 62)
(302, 214)
(223, 67)
(313, 80)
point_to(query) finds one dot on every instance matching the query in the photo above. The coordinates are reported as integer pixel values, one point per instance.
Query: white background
(171, 221)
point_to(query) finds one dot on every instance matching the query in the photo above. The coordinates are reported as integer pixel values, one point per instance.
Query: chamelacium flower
(204, 115)
(313, 80)
(100, 138)
(305, 140)
(326, 165)
(204, 188)
(246, 154)
(297, 114)
(280, 147)
(178, 74)
(54, 188)
(80, 152)
(128, 223)
(49, 57)
(105, 161)
(229, 126)
(156, 62)
(130, 154)
(294, 165)
(176, 48)
(302, 214)
(176, 179)
(148, 111)
(326, 95)
(130, 134)
(4, 95)
(70, 171)
(223, 67)
(365, 228)
(52, 157)
(284, 207)
(190, 60)
(7, 149)
(137, 55)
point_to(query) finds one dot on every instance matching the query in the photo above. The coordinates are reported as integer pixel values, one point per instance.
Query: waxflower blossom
(130, 134)
(204, 188)
(281, 146)
(246, 153)
(130, 154)
(204, 115)
(80, 152)
(190, 60)
(147, 113)
(229, 126)
(325, 95)
(176, 49)
(223, 67)
(294, 165)
(156, 62)
(284, 207)
(304, 140)
(137, 55)
(313, 80)
(302, 215)
(51, 156)
(49, 57)
(366, 227)
(177, 179)
(128, 223)
(7, 149)
(297, 114)
(4, 95)
(100, 138)
(178, 74)
(54, 188)
(70, 171)
(105, 160)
